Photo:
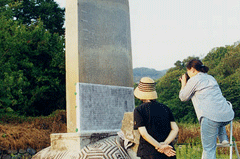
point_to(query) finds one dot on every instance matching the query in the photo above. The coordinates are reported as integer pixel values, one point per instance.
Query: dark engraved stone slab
(101, 107)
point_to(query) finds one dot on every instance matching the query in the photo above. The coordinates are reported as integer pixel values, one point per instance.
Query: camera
(187, 77)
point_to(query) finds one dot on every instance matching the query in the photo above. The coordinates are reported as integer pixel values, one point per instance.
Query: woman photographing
(212, 109)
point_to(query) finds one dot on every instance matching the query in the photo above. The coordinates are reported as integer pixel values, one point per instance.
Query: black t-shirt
(156, 117)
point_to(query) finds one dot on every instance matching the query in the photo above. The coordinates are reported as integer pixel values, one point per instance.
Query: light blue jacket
(207, 98)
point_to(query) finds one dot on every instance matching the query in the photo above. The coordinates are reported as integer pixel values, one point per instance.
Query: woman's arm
(143, 132)
(173, 133)
(161, 147)
(188, 88)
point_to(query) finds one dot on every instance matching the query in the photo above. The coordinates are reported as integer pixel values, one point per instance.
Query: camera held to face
(187, 77)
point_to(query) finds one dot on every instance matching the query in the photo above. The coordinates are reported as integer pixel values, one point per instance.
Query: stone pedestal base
(65, 146)
(106, 145)
(65, 141)
(75, 141)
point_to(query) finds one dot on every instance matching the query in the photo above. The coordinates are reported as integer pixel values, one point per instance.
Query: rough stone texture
(100, 108)
(105, 42)
(127, 129)
(17, 154)
(98, 47)
(5, 156)
(75, 141)
(48, 153)
(12, 152)
(108, 148)
(65, 141)
(27, 156)
(31, 151)
(21, 151)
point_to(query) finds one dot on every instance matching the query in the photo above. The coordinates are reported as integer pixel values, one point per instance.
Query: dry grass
(190, 133)
(33, 133)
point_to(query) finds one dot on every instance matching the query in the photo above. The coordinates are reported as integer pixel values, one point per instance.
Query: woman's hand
(161, 146)
(183, 80)
(169, 152)
(166, 149)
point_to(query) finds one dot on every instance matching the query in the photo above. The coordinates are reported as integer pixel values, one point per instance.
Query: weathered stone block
(127, 128)
(65, 141)
(100, 108)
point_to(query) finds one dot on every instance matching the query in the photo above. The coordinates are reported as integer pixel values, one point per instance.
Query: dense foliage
(32, 68)
(224, 64)
(29, 11)
(32, 64)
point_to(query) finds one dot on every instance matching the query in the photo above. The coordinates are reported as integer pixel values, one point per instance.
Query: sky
(165, 31)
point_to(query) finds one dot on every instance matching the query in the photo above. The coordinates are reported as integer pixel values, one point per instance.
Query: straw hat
(146, 89)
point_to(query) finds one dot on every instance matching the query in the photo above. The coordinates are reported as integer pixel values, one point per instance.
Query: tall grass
(189, 142)
(189, 151)
(18, 132)
(195, 152)
(22, 132)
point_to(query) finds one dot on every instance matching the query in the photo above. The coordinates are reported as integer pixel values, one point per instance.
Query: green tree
(32, 69)
(168, 90)
(29, 11)
(227, 73)
(224, 65)
(137, 101)
(179, 65)
(214, 57)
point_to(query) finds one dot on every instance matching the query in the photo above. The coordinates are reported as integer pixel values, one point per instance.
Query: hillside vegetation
(224, 65)
(32, 64)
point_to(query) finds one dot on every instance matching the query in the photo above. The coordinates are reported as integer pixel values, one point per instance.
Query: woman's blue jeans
(210, 130)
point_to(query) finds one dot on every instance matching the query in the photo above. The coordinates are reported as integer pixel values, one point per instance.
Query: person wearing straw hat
(155, 123)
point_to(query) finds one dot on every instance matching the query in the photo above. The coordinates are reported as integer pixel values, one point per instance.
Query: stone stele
(98, 47)
(100, 108)
(98, 59)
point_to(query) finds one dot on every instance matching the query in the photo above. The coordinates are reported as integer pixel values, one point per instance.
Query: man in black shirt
(155, 123)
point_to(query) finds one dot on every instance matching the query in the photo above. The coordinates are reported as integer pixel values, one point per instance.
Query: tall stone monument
(99, 77)
(98, 56)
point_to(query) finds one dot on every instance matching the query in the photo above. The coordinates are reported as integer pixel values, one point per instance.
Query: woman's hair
(198, 65)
